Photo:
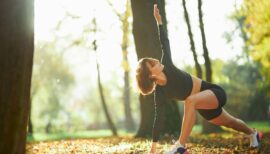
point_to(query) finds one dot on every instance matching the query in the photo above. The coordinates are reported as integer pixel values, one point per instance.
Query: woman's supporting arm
(158, 119)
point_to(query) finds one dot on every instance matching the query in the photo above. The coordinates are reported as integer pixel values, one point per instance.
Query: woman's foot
(255, 139)
(177, 149)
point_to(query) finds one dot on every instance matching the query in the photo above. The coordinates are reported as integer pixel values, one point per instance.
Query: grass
(262, 126)
(81, 134)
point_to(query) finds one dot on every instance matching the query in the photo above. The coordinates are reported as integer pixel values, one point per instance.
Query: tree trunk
(147, 44)
(205, 49)
(16, 60)
(129, 122)
(130, 125)
(207, 127)
(192, 44)
(102, 97)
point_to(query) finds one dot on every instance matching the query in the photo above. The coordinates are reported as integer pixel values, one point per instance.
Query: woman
(165, 80)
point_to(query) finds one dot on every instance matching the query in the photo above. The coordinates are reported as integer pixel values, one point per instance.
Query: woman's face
(155, 67)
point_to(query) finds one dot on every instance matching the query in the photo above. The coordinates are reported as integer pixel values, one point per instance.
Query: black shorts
(209, 114)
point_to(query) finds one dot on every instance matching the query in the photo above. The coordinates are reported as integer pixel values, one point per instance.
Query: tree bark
(207, 127)
(16, 60)
(192, 44)
(147, 44)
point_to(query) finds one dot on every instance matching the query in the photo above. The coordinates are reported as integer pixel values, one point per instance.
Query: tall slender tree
(16, 60)
(126, 26)
(147, 45)
(207, 127)
(100, 87)
(192, 44)
(240, 18)
(207, 60)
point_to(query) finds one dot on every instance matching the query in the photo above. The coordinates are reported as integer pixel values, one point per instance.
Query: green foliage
(51, 80)
(257, 23)
(217, 75)
(243, 89)
(64, 135)
(247, 96)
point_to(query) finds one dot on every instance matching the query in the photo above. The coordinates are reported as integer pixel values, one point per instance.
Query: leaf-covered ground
(223, 143)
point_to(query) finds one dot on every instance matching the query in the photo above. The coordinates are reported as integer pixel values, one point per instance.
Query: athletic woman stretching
(166, 80)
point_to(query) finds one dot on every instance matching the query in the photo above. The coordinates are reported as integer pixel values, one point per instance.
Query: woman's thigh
(204, 100)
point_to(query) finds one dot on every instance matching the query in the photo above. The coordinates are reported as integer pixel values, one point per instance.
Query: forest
(68, 73)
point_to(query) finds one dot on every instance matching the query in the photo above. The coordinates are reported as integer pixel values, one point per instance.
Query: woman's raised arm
(163, 37)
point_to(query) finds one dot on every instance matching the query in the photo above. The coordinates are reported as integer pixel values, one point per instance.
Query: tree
(257, 19)
(207, 60)
(100, 87)
(147, 45)
(207, 127)
(251, 84)
(240, 31)
(51, 76)
(126, 26)
(192, 44)
(246, 98)
(17, 48)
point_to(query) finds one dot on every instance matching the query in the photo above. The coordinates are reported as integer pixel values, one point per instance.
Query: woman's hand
(153, 151)
(153, 148)
(157, 15)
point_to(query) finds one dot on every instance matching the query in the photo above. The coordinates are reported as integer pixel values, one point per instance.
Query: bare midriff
(196, 85)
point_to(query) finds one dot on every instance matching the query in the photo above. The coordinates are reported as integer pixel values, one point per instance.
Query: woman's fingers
(156, 8)
(157, 15)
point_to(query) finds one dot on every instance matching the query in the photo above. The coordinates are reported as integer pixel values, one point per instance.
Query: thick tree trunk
(207, 127)
(192, 44)
(147, 44)
(16, 60)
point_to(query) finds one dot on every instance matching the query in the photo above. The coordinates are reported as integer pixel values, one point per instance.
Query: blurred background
(83, 82)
